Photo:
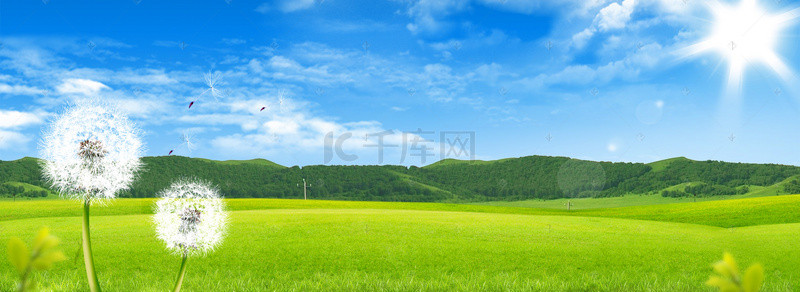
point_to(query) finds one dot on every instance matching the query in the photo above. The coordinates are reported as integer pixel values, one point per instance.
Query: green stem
(91, 275)
(179, 283)
(23, 283)
(23, 280)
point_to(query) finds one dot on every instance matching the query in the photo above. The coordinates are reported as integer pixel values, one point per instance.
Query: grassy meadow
(298, 245)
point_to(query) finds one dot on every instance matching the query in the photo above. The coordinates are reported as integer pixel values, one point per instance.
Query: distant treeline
(10, 191)
(532, 177)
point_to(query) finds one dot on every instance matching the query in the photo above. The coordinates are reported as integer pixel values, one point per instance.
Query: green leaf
(753, 278)
(18, 254)
(46, 260)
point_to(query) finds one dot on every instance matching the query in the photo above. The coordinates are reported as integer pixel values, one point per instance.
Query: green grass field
(610, 202)
(336, 245)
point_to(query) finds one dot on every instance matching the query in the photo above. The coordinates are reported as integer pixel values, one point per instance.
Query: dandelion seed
(281, 99)
(213, 80)
(188, 141)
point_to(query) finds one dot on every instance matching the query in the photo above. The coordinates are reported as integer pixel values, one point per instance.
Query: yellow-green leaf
(46, 260)
(43, 234)
(728, 259)
(18, 254)
(753, 278)
(723, 269)
(723, 284)
(49, 242)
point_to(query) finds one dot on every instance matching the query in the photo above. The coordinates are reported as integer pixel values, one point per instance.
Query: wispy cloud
(285, 6)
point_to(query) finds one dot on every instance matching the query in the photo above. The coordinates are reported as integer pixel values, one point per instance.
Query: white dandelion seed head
(91, 151)
(190, 217)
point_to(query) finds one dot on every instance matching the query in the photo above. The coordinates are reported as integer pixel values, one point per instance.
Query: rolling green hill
(511, 179)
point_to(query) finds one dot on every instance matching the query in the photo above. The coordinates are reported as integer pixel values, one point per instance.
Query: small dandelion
(90, 153)
(190, 219)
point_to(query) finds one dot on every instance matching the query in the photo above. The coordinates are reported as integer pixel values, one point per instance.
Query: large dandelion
(190, 218)
(90, 153)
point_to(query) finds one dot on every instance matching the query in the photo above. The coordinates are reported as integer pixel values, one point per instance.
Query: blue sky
(601, 80)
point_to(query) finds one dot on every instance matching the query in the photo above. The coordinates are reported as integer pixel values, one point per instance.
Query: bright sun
(745, 34)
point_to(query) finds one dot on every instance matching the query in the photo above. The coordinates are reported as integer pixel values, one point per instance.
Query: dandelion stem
(180, 275)
(91, 275)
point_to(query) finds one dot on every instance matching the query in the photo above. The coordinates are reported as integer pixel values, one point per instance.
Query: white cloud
(292, 129)
(615, 16)
(580, 39)
(15, 119)
(429, 16)
(286, 6)
(19, 89)
(612, 17)
(233, 41)
(10, 140)
(282, 127)
(426, 14)
(628, 68)
(295, 5)
(84, 87)
(11, 121)
(156, 95)
(289, 70)
(141, 107)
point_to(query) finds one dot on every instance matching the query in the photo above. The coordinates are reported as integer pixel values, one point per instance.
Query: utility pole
(569, 205)
(305, 189)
